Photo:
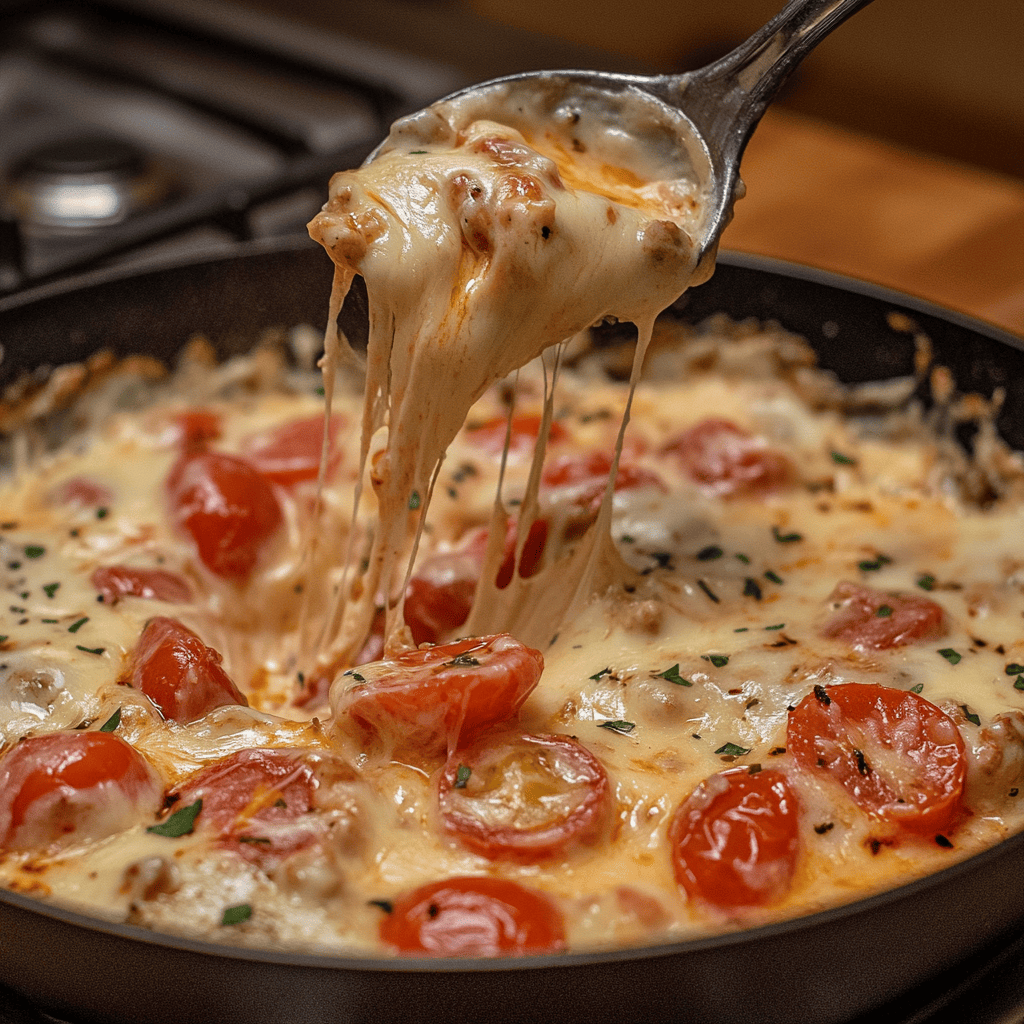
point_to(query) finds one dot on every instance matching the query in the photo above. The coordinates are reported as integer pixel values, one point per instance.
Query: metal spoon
(705, 116)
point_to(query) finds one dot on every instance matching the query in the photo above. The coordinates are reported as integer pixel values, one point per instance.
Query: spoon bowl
(690, 128)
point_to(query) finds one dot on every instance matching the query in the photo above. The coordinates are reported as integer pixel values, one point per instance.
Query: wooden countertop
(831, 198)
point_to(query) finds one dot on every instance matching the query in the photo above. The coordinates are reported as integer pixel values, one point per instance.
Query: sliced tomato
(194, 427)
(873, 619)
(257, 802)
(290, 453)
(179, 673)
(522, 796)
(69, 787)
(898, 755)
(227, 506)
(727, 460)
(117, 581)
(735, 839)
(438, 698)
(474, 917)
(80, 491)
(522, 437)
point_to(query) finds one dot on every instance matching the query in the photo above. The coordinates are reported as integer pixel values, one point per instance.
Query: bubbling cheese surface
(489, 229)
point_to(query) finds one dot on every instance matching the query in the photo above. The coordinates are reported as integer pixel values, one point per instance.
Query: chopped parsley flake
(35, 551)
(970, 715)
(883, 611)
(462, 774)
(385, 905)
(600, 675)
(778, 625)
(3, 639)
(90, 650)
(873, 564)
(1019, 683)
(76, 626)
(414, 501)
(745, 559)
(357, 677)
(926, 582)
(718, 660)
(462, 661)
(953, 657)
(786, 538)
(1014, 669)
(733, 750)
(617, 725)
(50, 589)
(751, 588)
(673, 676)
(627, 538)
(180, 823)
(102, 513)
(918, 687)
(842, 460)
(112, 722)
(773, 576)
(254, 839)
(236, 914)
(711, 552)
(707, 590)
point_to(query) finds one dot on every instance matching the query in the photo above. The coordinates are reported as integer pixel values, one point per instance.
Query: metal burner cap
(86, 182)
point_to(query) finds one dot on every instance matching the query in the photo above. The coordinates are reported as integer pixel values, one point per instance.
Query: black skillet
(891, 950)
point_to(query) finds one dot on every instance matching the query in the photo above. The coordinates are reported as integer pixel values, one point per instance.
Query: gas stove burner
(90, 181)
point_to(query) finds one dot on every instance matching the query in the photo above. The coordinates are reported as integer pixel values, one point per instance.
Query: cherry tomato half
(896, 754)
(474, 917)
(490, 436)
(727, 460)
(228, 507)
(873, 619)
(179, 673)
(735, 841)
(290, 453)
(117, 581)
(522, 796)
(257, 802)
(68, 787)
(438, 698)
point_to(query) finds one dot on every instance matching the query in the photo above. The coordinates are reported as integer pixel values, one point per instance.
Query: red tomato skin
(556, 836)
(474, 916)
(80, 491)
(257, 803)
(194, 427)
(179, 673)
(65, 786)
(490, 436)
(858, 623)
(290, 454)
(424, 700)
(117, 581)
(228, 507)
(735, 839)
(729, 461)
(930, 797)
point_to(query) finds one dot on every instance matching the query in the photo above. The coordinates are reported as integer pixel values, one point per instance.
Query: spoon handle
(725, 100)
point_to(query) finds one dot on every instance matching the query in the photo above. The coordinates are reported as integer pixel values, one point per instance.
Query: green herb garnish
(778, 625)
(786, 538)
(751, 588)
(112, 722)
(707, 590)
(76, 626)
(733, 750)
(600, 675)
(673, 676)
(774, 577)
(926, 582)
(237, 914)
(745, 559)
(953, 657)
(617, 725)
(50, 589)
(970, 715)
(102, 513)
(385, 905)
(873, 564)
(35, 551)
(709, 553)
(462, 774)
(462, 661)
(918, 687)
(180, 823)
(842, 460)
(90, 650)
(1014, 669)
(718, 660)
(883, 611)
(414, 501)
